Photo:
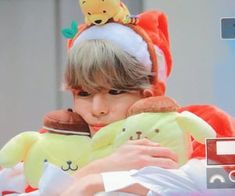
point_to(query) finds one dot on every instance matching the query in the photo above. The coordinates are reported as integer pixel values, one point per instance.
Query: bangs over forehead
(98, 64)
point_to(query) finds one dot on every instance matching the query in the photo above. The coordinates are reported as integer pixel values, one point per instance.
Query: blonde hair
(99, 64)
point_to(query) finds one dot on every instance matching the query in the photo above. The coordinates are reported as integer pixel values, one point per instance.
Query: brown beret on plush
(153, 104)
(65, 122)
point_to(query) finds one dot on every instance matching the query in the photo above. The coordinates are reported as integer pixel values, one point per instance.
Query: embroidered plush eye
(89, 13)
(104, 11)
(124, 129)
(45, 160)
(157, 130)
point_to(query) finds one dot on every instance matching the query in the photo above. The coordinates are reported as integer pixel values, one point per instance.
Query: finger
(143, 142)
(162, 152)
(164, 163)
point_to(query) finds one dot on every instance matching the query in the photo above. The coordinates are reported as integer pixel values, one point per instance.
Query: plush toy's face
(68, 152)
(98, 12)
(147, 125)
(158, 127)
(170, 129)
(162, 128)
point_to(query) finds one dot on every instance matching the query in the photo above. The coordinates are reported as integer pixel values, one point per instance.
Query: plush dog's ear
(194, 125)
(17, 148)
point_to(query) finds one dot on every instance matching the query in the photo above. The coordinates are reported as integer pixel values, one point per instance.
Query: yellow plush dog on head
(98, 12)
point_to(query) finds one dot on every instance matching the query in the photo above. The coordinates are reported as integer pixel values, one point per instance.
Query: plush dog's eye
(124, 129)
(89, 13)
(104, 11)
(157, 130)
(45, 160)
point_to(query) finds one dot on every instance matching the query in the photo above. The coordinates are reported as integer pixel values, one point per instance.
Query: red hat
(148, 41)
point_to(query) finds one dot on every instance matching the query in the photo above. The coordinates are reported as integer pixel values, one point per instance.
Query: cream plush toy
(157, 119)
(66, 145)
(98, 12)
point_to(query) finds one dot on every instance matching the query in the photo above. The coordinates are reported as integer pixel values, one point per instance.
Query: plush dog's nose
(138, 133)
(69, 162)
(98, 21)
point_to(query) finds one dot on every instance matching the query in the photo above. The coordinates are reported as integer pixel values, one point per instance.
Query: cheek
(122, 106)
(81, 107)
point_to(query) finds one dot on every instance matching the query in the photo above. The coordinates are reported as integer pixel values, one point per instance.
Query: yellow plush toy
(66, 145)
(98, 12)
(157, 119)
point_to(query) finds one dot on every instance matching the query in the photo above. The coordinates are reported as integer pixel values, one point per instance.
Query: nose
(98, 21)
(99, 105)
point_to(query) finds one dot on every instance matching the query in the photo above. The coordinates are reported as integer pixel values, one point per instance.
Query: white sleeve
(114, 181)
(54, 181)
(190, 179)
(12, 179)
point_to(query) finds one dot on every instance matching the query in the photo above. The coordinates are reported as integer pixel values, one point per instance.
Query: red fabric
(156, 26)
(42, 131)
(223, 124)
(29, 189)
(7, 192)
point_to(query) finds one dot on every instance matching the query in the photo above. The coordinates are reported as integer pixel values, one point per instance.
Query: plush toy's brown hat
(153, 104)
(65, 121)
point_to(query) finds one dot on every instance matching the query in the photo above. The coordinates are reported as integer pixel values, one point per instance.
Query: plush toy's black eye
(157, 130)
(124, 129)
(89, 13)
(45, 160)
(104, 11)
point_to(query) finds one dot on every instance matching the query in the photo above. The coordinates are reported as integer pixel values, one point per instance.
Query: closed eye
(83, 93)
(116, 92)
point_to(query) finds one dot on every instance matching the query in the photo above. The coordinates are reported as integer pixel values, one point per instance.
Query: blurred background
(33, 56)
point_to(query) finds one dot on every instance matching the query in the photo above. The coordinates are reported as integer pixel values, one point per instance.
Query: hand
(91, 184)
(136, 154)
(85, 186)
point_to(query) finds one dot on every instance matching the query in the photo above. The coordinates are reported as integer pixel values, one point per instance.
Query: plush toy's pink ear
(17, 148)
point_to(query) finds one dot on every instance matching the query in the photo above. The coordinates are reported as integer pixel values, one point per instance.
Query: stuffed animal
(157, 119)
(99, 12)
(66, 145)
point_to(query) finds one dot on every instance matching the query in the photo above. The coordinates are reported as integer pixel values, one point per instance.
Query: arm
(133, 155)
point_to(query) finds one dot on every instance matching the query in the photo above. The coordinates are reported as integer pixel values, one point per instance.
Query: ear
(17, 148)
(147, 93)
(194, 125)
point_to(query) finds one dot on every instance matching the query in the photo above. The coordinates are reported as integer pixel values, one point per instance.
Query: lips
(96, 128)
